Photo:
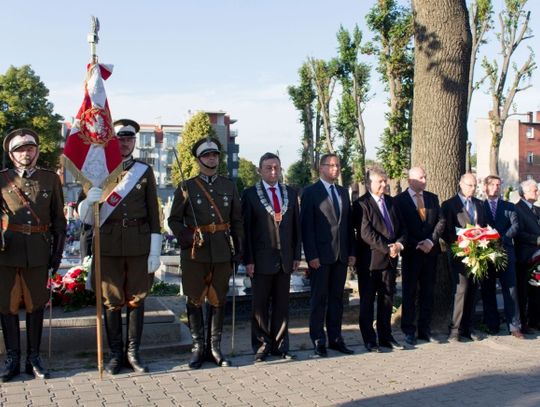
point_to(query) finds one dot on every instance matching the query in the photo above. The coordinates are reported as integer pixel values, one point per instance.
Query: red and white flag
(92, 152)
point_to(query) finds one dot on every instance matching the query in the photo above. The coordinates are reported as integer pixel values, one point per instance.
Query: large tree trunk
(494, 160)
(439, 125)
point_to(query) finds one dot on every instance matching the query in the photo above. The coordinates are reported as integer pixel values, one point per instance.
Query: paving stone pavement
(496, 371)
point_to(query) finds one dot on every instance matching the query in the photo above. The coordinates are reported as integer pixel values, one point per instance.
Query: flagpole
(93, 39)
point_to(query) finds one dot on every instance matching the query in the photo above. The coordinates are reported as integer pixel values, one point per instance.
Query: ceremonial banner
(92, 152)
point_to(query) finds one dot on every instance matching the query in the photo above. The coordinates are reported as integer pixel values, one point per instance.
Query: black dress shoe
(391, 344)
(284, 355)
(410, 339)
(35, 368)
(341, 347)
(371, 347)
(260, 357)
(424, 337)
(320, 350)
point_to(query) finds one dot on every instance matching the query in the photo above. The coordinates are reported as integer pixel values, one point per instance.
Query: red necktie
(275, 200)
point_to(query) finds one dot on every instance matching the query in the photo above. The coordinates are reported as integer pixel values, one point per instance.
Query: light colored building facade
(519, 152)
(155, 145)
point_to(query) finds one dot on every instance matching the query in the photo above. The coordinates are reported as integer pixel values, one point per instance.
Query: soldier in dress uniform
(130, 248)
(206, 219)
(32, 242)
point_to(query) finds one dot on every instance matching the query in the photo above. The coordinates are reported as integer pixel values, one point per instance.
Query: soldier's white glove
(84, 209)
(155, 251)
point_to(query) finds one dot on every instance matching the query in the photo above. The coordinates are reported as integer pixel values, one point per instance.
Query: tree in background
(442, 54)
(303, 97)
(480, 20)
(23, 103)
(514, 29)
(324, 75)
(354, 79)
(247, 174)
(393, 28)
(298, 175)
(197, 127)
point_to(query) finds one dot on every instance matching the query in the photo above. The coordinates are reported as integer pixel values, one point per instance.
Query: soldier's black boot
(113, 326)
(34, 329)
(196, 327)
(135, 322)
(215, 339)
(12, 341)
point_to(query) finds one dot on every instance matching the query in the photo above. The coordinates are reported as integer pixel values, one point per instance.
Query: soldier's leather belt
(26, 229)
(125, 222)
(214, 227)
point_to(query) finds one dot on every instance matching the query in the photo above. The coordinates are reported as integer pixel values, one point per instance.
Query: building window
(145, 139)
(530, 132)
(530, 157)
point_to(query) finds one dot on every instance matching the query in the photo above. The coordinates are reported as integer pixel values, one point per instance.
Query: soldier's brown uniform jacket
(216, 246)
(208, 272)
(125, 242)
(121, 237)
(43, 192)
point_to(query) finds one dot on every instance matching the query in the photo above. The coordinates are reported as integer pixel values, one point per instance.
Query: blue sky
(171, 57)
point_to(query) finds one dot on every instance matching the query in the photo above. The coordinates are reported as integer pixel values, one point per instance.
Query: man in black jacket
(328, 239)
(272, 251)
(422, 218)
(383, 231)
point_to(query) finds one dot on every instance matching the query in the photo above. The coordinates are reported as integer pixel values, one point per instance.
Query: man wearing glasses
(328, 239)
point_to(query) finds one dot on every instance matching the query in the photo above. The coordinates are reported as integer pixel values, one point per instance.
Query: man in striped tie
(422, 217)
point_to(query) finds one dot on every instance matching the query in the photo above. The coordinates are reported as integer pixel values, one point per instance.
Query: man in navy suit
(459, 211)
(272, 251)
(383, 231)
(527, 244)
(328, 239)
(502, 216)
(421, 214)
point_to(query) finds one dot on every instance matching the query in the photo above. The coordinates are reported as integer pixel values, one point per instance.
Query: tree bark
(439, 123)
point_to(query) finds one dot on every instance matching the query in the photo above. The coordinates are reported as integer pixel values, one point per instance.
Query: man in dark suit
(421, 215)
(328, 239)
(383, 231)
(527, 243)
(272, 251)
(502, 216)
(459, 211)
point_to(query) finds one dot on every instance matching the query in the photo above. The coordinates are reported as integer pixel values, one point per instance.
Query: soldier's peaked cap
(126, 128)
(206, 145)
(20, 137)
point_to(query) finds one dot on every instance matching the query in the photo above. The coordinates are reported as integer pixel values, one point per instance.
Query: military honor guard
(206, 219)
(32, 242)
(130, 236)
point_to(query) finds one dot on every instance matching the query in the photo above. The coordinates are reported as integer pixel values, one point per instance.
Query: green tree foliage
(354, 78)
(324, 75)
(247, 174)
(393, 28)
(298, 174)
(303, 97)
(23, 103)
(196, 128)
